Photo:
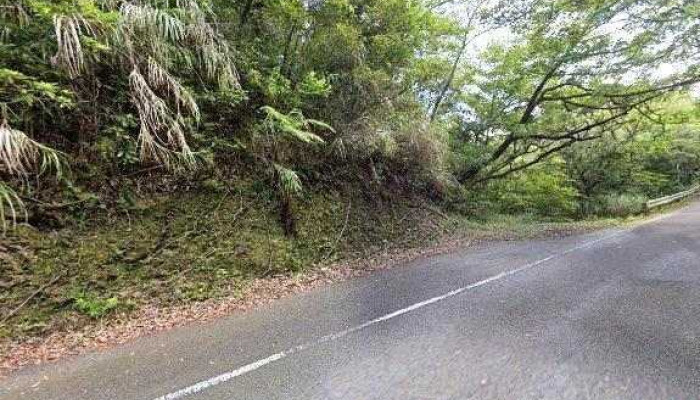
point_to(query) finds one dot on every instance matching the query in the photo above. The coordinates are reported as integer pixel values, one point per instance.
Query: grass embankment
(186, 249)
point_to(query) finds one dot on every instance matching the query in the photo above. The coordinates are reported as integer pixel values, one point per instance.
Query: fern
(293, 125)
(288, 180)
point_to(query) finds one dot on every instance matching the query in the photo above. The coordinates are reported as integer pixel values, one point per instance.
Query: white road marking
(217, 380)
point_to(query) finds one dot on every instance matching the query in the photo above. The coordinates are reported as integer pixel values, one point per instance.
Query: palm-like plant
(148, 43)
(280, 128)
(137, 40)
(20, 156)
(10, 206)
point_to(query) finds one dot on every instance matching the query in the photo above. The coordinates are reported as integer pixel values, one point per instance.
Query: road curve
(609, 315)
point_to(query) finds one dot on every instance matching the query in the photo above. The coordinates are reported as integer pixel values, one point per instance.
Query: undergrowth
(195, 247)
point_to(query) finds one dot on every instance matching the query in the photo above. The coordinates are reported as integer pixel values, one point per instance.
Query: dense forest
(114, 110)
(591, 96)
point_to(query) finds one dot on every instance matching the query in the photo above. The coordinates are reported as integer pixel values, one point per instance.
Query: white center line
(217, 380)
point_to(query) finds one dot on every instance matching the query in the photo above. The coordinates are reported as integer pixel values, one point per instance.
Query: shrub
(402, 148)
(614, 205)
(542, 191)
(93, 306)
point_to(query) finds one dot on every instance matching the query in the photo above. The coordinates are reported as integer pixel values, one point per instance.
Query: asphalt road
(609, 315)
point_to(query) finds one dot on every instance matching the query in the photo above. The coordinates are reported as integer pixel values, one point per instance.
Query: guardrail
(672, 198)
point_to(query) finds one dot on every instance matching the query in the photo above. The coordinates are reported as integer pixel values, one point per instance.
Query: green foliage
(118, 144)
(650, 160)
(615, 205)
(288, 181)
(215, 250)
(564, 79)
(544, 191)
(282, 131)
(292, 126)
(93, 306)
(178, 150)
(18, 89)
(157, 96)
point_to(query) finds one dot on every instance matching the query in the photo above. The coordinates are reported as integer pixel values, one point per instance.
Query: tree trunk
(285, 68)
(450, 78)
(246, 11)
(287, 218)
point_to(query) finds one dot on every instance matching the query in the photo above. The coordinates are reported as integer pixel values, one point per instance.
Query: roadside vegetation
(173, 151)
(210, 245)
